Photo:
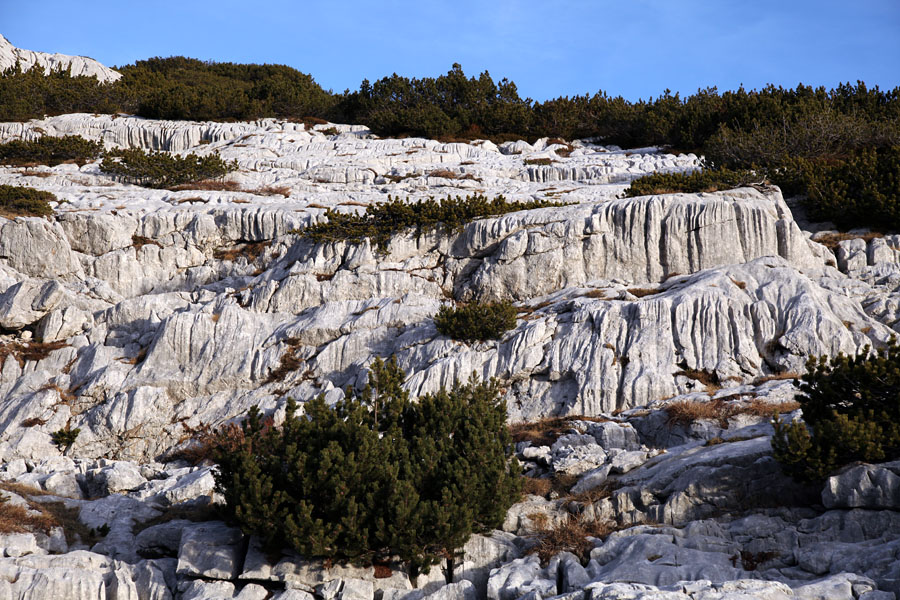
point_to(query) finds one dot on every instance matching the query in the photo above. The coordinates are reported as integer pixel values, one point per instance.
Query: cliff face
(179, 308)
(78, 65)
(136, 315)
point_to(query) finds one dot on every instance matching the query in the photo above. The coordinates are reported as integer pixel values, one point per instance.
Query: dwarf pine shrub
(382, 221)
(699, 181)
(476, 321)
(164, 170)
(375, 475)
(48, 150)
(851, 409)
(20, 201)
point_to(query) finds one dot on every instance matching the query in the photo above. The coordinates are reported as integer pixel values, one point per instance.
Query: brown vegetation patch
(444, 173)
(776, 377)
(210, 185)
(544, 432)
(28, 351)
(18, 519)
(42, 174)
(250, 251)
(139, 241)
(137, 358)
(272, 190)
(542, 162)
(641, 292)
(571, 536)
(66, 396)
(289, 362)
(685, 412)
(709, 379)
(833, 240)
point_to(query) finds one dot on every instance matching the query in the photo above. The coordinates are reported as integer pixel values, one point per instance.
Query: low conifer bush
(476, 321)
(711, 180)
(851, 409)
(373, 476)
(20, 201)
(48, 150)
(382, 221)
(164, 170)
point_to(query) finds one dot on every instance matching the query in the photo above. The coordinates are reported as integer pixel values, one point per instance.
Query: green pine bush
(48, 150)
(382, 221)
(708, 180)
(476, 321)
(20, 201)
(851, 409)
(164, 170)
(373, 476)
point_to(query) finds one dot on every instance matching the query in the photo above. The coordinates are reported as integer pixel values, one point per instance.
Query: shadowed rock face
(134, 314)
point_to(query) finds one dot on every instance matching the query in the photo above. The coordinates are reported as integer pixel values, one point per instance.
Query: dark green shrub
(374, 476)
(851, 409)
(18, 201)
(63, 438)
(382, 221)
(163, 170)
(698, 181)
(48, 150)
(476, 321)
(861, 190)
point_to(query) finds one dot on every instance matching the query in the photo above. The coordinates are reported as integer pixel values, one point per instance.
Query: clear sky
(636, 48)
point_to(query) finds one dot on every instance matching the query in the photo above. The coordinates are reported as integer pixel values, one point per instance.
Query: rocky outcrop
(135, 315)
(78, 66)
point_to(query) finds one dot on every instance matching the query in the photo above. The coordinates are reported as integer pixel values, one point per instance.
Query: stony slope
(78, 65)
(135, 314)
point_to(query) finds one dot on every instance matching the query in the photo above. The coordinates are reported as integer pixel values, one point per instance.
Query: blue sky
(636, 48)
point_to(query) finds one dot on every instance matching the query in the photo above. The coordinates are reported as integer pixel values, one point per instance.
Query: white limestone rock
(78, 66)
(864, 486)
(211, 550)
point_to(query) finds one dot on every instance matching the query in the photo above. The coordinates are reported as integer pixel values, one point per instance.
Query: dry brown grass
(562, 152)
(289, 362)
(833, 240)
(271, 190)
(139, 242)
(136, 359)
(685, 412)
(42, 516)
(641, 292)
(33, 422)
(544, 432)
(444, 173)
(23, 352)
(536, 486)
(596, 494)
(66, 396)
(18, 519)
(42, 174)
(709, 379)
(571, 536)
(210, 185)
(741, 284)
(540, 162)
(599, 294)
(776, 377)
(190, 200)
(251, 251)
